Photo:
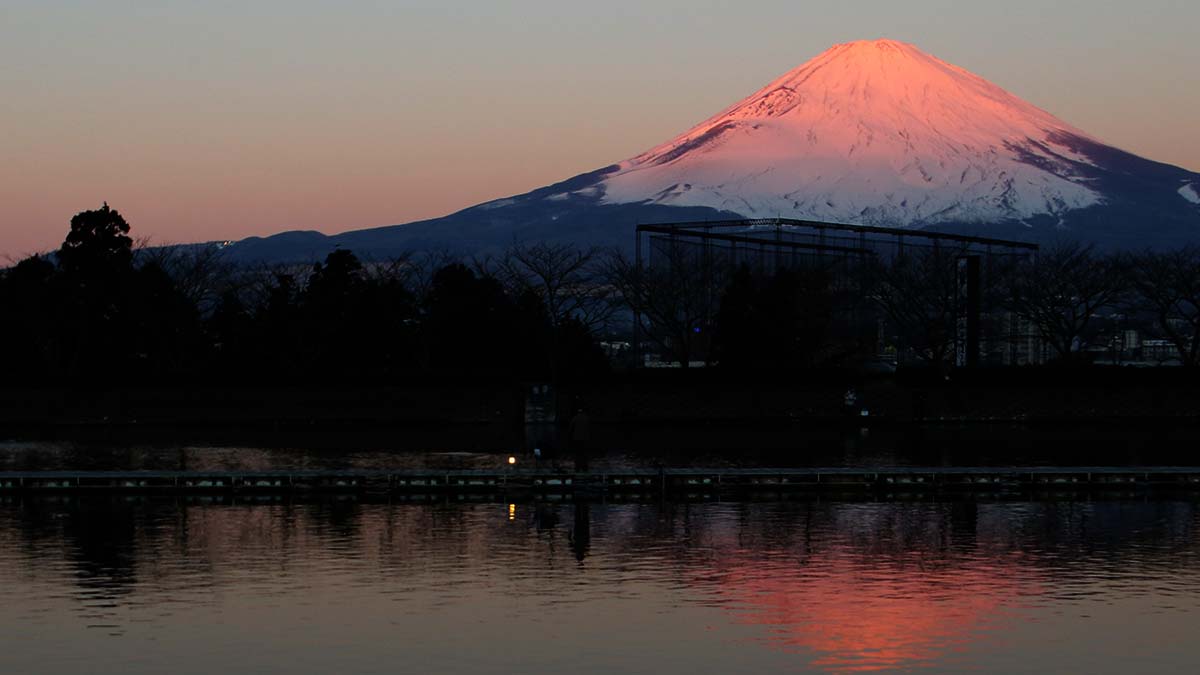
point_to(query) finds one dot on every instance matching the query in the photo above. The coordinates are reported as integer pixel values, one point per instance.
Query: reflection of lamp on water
(512, 511)
(504, 479)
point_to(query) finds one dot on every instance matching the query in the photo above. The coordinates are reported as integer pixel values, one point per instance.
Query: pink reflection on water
(853, 615)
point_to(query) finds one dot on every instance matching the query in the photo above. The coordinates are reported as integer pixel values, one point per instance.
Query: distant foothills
(867, 133)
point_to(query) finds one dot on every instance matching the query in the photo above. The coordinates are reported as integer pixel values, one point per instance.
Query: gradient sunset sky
(212, 119)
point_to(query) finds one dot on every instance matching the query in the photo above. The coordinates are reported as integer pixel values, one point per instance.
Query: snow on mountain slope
(1190, 193)
(870, 132)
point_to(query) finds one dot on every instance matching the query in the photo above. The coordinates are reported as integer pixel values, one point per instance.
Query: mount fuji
(868, 133)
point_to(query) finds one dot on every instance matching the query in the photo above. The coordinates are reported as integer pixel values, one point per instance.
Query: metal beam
(735, 238)
(821, 227)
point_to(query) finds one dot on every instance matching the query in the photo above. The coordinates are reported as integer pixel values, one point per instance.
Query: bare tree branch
(568, 280)
(675, 296)
(918, 293)
(1168, 284)
(1060, 292)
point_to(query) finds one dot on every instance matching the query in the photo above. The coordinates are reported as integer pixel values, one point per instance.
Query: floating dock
(626, 481)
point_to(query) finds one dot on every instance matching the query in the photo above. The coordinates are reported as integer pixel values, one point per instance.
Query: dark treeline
(103, 310)
(100, 311)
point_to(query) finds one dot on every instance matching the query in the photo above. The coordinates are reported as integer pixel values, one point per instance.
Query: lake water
(153, 585)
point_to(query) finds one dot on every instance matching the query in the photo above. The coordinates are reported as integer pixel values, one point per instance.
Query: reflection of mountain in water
(838, 586)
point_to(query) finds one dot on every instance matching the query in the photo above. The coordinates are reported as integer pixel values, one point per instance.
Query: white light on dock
(512, 460)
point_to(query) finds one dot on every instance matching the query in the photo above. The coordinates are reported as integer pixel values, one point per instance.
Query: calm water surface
(152, 585)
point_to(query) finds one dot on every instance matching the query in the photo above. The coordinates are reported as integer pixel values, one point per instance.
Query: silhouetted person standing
(579, 434)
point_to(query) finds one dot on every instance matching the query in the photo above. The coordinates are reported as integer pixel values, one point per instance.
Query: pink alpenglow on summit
(871, 132)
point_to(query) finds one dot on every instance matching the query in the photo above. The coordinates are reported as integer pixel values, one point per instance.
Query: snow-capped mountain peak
(873, 132)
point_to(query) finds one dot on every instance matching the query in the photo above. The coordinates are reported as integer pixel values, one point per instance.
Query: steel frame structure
(822, 237)
(763, 238)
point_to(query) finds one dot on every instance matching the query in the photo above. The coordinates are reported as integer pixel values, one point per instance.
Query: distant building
(615, 349)
(1017, 343)
(1131, 341)
(1161, 352)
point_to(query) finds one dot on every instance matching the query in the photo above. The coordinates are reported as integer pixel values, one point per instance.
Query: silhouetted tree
(675, 296)
(339, 277)
(389, 331)
(781, 321)
(570, 292)
(201, 272)
(1168, 285)
(164, 326)
(231, 331)
(918, 293)
(1061, 291)
(29, 305)
(471, 324)
(97, 244)
(358, 325)
(96, 326)
(567, 279)
(580, 355)
(279, 324)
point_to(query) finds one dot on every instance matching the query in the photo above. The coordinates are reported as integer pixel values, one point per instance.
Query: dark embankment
(960, 417)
